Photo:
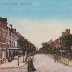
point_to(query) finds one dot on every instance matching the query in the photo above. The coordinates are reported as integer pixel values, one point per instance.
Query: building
(56, 43)
(8, 40)
(3, 39)
(12, 42)
(67, 32)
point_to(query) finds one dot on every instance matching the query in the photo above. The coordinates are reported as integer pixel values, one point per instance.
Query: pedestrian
(30, 66)
(56, 58)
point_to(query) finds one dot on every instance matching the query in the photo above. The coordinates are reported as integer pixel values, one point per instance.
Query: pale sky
(41, 31)
(38, 20)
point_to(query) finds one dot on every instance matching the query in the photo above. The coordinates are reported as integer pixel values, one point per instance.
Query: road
(42, 63)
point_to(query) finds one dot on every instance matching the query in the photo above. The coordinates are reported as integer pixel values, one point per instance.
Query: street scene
(35, 35)
(42, 63)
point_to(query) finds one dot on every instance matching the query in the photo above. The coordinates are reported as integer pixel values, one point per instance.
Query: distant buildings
(61, 44)
(57, 43)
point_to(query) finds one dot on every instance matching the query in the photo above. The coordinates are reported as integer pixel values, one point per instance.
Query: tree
(66, 43)
(46, 47)
(20, 42)
(26, 45)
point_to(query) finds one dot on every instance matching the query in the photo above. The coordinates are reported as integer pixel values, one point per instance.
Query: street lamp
(18, 58)
(23, 54)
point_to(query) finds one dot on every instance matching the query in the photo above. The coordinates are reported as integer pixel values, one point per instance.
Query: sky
(38, 20)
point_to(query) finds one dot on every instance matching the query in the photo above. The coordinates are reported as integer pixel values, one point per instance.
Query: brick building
(3, 38)
(8, 39)
(56, 43)
(13, 36)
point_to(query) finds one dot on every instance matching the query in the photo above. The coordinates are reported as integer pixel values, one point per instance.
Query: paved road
(42, 63)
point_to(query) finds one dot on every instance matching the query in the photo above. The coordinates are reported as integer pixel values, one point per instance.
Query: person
(30, 67)
(55, 58)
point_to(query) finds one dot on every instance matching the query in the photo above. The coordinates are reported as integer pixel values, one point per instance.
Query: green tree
(66, 43)
(46, 47)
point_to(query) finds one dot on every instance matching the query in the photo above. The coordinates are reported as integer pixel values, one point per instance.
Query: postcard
(35, 35)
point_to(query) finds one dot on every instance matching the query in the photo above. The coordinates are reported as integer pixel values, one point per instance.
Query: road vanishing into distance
(42, 63)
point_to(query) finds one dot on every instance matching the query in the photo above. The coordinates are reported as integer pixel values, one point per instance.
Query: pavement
(42, 63)
(14, 63)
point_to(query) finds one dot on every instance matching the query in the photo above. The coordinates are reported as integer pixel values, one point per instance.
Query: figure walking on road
(56, 58)
(30, 66)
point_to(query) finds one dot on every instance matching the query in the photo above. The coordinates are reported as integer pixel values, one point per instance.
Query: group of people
(30, 65)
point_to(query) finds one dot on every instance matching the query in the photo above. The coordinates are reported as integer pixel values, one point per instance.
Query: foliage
(46, 48)
(26, 45)
(66, 42)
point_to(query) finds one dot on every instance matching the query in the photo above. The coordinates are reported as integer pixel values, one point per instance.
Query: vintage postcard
(35, 35)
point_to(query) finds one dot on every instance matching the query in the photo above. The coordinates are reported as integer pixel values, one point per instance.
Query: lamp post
(18, 58)
(23, 55)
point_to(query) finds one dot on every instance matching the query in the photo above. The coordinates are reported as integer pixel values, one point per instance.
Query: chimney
(15, 30)
(11, 26)
(4, 19)
(67, 31)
